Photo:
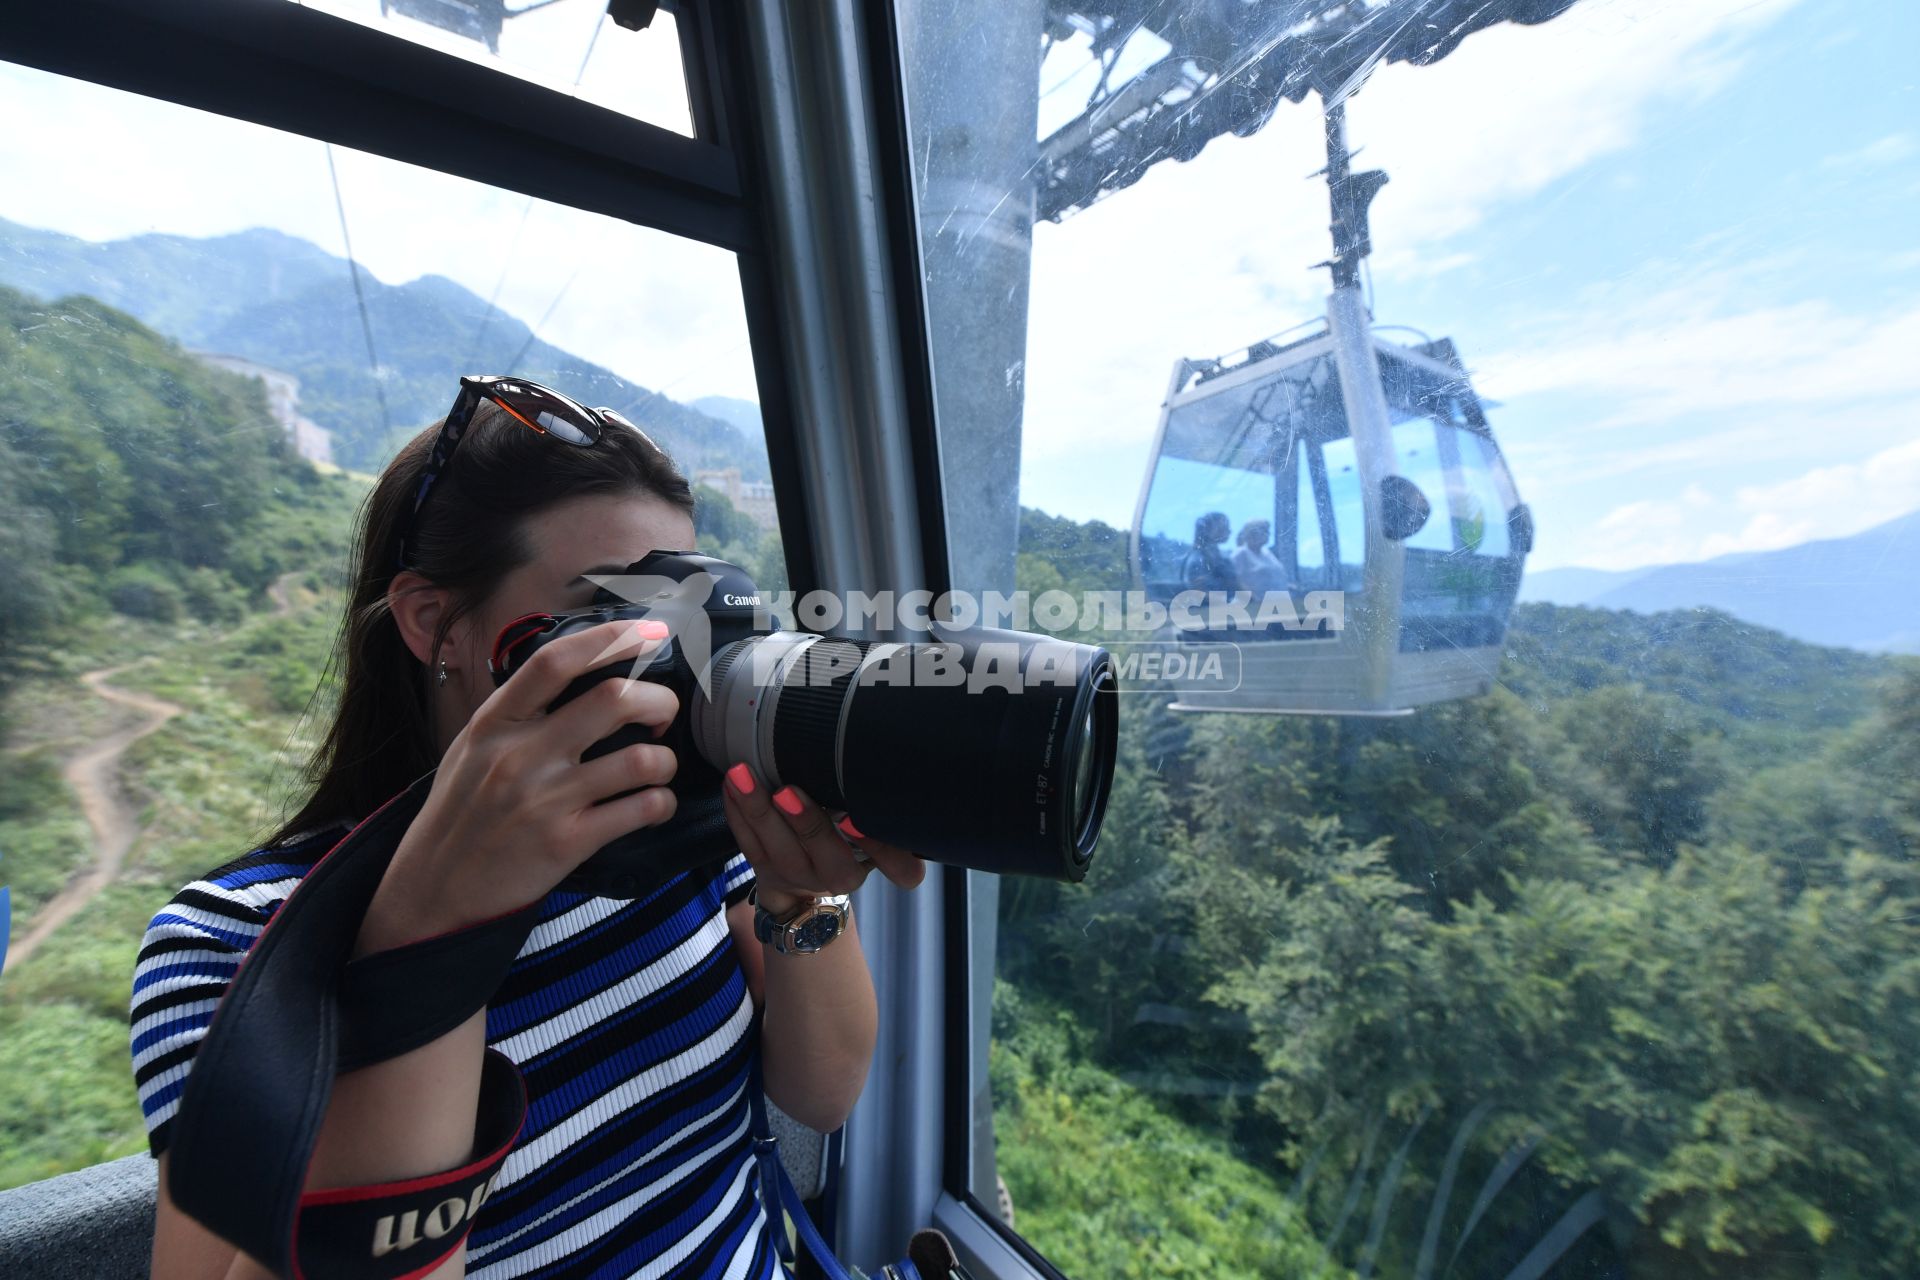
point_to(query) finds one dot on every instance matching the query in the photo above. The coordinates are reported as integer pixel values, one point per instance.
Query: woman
(1259, 568)
(1206, 567)
(629, 1020)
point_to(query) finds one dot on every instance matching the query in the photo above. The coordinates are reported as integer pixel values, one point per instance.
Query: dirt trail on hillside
(94, 777)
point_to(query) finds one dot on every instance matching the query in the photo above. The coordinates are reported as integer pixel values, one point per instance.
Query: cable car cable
(533, 334)
(359, 296)
(587, 57)
(506, 263)
(493, 301)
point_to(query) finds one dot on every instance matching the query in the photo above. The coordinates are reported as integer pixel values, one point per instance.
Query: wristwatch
(809, 928)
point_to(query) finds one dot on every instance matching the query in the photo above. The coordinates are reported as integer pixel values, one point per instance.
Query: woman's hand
(513, 810)
(798, 851)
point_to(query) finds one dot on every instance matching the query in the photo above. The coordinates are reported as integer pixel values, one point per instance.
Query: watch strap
(774, 930)
(766, 926)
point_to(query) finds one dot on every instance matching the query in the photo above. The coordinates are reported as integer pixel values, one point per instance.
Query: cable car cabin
(779, 193)
(479, 20)
(1351, 498)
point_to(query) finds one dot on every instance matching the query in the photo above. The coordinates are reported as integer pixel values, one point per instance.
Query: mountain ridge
(288, 304)
(1858, 591)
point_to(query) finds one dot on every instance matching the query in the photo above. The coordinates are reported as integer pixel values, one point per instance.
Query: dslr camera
(977, 747)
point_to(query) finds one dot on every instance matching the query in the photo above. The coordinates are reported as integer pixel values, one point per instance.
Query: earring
(443, 671)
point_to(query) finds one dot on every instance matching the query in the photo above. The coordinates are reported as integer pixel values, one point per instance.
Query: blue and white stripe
(629, 1021)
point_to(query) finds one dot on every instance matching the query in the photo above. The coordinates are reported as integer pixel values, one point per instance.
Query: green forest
(1615, 967)
(1629, 943)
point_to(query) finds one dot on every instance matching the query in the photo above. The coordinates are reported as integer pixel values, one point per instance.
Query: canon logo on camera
(742, 600)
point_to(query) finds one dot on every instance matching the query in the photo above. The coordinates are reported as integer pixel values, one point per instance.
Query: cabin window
(1310, 545)
(1418, 450)
(572, 48)
(1582, 972)
(1348, 506)
(195, 402)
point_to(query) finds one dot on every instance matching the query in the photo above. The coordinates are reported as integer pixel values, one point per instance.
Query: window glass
(1310, 548)
(1584, 949)
(1479, 512)
(1349, 510)
(199, 387)
(1221, 482)
(571, 46)
(1195, 503)
(1418, 450)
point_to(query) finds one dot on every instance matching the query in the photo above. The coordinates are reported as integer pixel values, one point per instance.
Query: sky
(1676, 242)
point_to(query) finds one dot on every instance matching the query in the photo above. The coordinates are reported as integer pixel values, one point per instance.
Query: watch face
(816, 931)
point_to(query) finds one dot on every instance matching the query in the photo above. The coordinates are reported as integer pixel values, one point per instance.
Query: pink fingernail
(742, 779)
(848, 829)
(651, 629)
(789, 802)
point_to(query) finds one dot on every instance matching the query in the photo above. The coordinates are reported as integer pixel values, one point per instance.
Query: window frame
(309, 72)
(753, 71)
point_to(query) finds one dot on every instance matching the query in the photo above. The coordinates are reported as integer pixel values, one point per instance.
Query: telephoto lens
(977, 747)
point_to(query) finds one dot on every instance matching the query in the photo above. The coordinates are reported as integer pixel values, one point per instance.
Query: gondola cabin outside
(480, 20)
(1347, 495)
(475, 19)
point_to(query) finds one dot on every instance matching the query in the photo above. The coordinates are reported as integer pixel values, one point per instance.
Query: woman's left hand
(797, 849)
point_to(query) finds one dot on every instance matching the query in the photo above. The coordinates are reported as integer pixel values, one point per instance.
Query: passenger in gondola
(1259, 569)
(1206, 566)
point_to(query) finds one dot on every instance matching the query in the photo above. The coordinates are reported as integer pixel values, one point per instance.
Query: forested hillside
(135, 479)
(1634, 940)
(156, 525)
(1631, 940)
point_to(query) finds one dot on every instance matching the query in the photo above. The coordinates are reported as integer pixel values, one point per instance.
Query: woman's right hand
(513, 810)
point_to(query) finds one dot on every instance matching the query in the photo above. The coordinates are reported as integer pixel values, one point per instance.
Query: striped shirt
(629, 1022)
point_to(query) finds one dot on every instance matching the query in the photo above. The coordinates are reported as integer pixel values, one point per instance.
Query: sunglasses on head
(538, 408)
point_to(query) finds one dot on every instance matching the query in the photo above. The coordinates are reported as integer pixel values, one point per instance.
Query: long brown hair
(470, 534)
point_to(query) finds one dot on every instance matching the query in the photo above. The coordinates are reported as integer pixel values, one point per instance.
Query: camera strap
(298, 1013)
(930, 1255)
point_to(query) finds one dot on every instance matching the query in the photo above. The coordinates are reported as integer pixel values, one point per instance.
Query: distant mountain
(1860, 592)
(285, 303)
(1574, 585)
(743, 414)
(183, 287)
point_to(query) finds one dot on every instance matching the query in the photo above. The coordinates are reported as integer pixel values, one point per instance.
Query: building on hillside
(310, 440)
(752, 498)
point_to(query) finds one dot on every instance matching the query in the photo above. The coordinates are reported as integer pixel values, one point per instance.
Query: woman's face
(597, 534)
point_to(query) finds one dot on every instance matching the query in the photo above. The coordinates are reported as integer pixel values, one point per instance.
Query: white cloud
(1831, 501)
(1879, 153)
(1197, 259)
(1827, 502)
(1679, 353)
(1201, 258)
(1515, 108)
